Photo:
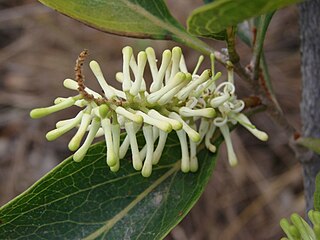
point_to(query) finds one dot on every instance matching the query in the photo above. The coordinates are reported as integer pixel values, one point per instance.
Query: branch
(258, 43)
(246, 76)
(231, 43)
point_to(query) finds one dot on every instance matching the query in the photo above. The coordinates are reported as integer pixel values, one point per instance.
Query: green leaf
(132, 18)
(214, 17)
(316, 196)
(222, 35)
(245, 33)
(310, 143)
(87, 201)
(208, 1)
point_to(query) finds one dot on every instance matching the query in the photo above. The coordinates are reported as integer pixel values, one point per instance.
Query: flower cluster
(299, 229)
(191, 104)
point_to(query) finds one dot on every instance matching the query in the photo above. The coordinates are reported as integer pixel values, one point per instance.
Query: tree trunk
(310, 105)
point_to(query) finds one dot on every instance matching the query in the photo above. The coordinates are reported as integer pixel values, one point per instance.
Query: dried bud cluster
(176, 101)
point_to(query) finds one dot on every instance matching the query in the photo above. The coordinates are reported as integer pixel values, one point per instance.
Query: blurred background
(38, 49)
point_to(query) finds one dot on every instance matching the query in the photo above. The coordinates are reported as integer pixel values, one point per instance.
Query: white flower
(176, 101)
(81, 152)
(147, 165)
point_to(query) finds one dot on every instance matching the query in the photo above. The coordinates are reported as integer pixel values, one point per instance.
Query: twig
(245, 75)
(267, 80)
(258, 43)
(231, 43)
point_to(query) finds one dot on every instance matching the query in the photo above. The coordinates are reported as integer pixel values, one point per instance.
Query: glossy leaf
(222, 35)
(132, 18)
(87, 201)
(214, 17)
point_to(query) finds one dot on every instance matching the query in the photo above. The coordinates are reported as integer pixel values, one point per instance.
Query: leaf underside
(215, 17)
(87, 201)
(133, 18)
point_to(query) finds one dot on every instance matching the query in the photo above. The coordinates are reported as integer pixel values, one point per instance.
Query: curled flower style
(191, 104)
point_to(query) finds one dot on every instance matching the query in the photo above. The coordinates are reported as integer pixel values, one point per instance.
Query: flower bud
(126, 142)
(115, 168)
(81, 152)
(143, 151)
(133, 117)
(185, 163)
(300, 227)
(212, 148)
(230, 72)
(103, 110)
(183, 65)
(79, 103)
(314, 216)
(76, 140)
(111, 156)
(147, 166)
(159, 149)
(217, 101)
(203, 128)
(167, 97)
(176, 56)
(193, 157)
(115, 129)
(155, 96)
(73, 85)
(136, 86)
(151, 56)
(292, 233)
(164, 126)
(200, 60)
(158, 80)
(207, 85)
(231, 154)
(176, 125)
(184, 93)
(193, 135)
(244, 121)
(108, 91)
(136, 161)
(42, 112)
(124, 147)
(54, 134)
(119, 77)
(205, 112)
(127, 54)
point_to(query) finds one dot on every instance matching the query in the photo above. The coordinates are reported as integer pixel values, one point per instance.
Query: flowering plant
(169, 132)
(177, 100)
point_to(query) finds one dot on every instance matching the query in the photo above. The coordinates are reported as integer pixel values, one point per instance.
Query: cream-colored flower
(192, 105)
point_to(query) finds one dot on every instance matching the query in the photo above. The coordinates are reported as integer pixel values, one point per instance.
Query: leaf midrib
(83, 190)
(159, 22)
(111, 222)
